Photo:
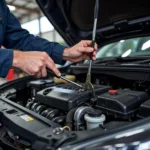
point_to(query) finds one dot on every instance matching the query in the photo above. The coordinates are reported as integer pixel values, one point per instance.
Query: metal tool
(50, 72)
(70, 81)
(88, 84)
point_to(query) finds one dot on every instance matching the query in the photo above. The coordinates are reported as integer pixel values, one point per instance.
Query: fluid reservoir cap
(112, 91)
(94, 113)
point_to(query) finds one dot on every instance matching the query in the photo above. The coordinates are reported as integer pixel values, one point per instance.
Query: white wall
(52, 36)
(47, 30)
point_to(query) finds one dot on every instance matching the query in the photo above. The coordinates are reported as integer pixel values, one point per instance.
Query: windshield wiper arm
(130, 59)
(142, 61)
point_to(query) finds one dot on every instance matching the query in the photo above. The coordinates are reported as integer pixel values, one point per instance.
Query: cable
(144, 79)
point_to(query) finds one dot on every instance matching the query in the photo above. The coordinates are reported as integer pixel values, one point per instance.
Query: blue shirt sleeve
(18, 38)
(6, 58)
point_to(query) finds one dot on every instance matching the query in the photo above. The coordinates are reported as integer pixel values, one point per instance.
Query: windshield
(124, 48)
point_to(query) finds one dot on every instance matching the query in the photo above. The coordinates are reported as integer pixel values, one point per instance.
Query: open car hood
(118, 19)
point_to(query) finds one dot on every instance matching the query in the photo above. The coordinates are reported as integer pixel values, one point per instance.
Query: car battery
(121, 103)
(144, 110)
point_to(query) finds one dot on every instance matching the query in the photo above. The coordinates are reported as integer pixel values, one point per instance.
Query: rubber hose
(69, 118)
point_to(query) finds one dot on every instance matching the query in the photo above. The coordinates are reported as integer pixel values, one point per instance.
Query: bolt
(57, 131)
(33, 98)
(17, 137)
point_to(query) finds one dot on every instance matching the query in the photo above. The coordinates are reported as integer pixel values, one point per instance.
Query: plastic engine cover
(144, 110)
(121, 103)
(67, 96)
(37, 85)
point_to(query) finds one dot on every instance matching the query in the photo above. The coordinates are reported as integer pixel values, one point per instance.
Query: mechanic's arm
(17, 38)
(20, 39)
(35, 63)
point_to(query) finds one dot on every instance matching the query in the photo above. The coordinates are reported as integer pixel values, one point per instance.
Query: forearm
(28, 42)
(53, 49)
(18, 38)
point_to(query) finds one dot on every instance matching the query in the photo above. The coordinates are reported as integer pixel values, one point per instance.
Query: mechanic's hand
(34, 63)
(80, 51)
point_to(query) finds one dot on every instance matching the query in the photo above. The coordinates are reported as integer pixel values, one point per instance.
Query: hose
(81, 111)
(69, 118)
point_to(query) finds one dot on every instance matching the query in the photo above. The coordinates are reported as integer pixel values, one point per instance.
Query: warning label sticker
(27, 118)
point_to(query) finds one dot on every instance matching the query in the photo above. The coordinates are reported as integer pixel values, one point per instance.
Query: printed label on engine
(27, 118)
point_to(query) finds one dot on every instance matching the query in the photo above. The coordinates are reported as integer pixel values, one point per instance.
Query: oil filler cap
(112, 92)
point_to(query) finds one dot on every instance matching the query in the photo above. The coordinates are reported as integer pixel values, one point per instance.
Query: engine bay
(70, 109)
(57, 102)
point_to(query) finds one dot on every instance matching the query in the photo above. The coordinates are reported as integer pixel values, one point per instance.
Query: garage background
(32, 19)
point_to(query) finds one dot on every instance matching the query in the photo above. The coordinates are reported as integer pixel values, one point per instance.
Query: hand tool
(74, 83)
(88, 84)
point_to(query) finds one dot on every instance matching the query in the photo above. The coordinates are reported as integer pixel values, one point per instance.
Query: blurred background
(32, 19)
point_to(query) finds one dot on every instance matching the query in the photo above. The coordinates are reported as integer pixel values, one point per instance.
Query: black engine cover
(67, 96)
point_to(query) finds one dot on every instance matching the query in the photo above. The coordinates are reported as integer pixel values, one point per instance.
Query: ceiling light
(12, 8)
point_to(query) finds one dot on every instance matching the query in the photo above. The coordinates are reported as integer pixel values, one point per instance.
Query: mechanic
(33, 54)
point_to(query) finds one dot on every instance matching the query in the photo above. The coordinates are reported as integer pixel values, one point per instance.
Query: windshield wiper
(127, 60)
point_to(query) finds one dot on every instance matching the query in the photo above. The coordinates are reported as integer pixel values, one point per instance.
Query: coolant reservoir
(94, 118)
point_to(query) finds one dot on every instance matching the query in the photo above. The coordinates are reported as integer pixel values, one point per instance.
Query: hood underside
(73, 19)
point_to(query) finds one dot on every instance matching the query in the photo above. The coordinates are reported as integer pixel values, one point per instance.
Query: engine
(75, 108)
(33, 110)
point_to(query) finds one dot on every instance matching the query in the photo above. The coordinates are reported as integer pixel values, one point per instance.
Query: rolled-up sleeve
(18, 38)
(6, 58)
